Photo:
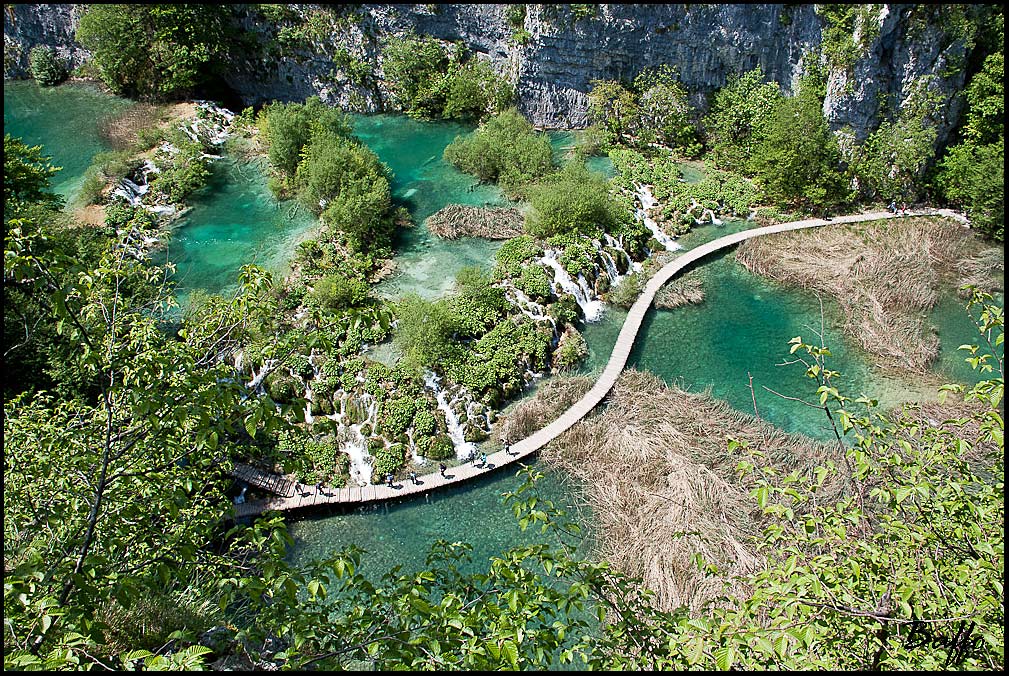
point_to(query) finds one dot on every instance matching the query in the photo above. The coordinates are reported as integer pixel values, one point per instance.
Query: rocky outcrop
(554, 56)
(26, 26)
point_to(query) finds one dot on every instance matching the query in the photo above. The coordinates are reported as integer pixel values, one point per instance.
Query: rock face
(554, 65)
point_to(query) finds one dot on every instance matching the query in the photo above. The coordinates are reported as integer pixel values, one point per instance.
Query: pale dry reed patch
(885, 275)
(661, 482)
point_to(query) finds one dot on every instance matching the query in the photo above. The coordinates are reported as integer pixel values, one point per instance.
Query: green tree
(891, 164)
(665, 115)
(973, 176)
(424, 331)
(26, 177)
(154, 51)
(613, 108)
(739, 118)
(412, 65)
(45, 66)
(571, 200)
(972, 173)
(798, 160)
(505, 149)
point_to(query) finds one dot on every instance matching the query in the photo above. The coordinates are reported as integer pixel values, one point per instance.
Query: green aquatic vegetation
(573, 199)
(513, 253)
(505, 149)
(338, 291)
(438, 447)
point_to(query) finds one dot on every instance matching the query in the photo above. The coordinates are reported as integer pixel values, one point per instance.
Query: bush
(47, 68)
(337, 292)
(154, 51)
(283, 388)
(440, 448)
(534, 282)
(505, 149)
(513, 253)
(388, 459)
(424, 423)
(572, 200)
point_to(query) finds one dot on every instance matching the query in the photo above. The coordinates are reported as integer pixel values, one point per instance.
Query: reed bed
(124, 131)
(661, 482)
(885, 275)
(459, 220)
(679, 292)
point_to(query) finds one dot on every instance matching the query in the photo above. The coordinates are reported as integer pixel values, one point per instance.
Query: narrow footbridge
(299, 495)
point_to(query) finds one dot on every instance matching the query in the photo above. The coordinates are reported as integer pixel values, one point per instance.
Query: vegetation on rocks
(430, 81)
(155, 51)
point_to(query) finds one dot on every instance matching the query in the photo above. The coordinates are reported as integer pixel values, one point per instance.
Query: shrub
(534, 282)
(572, 200)
(505, 149)
(388, 459)
(338, 291)
(47, 68)
(154, 51)
(424, 423)
(440, 448)
(513, 253)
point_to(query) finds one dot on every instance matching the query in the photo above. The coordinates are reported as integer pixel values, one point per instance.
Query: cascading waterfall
(257, 378)
(527, 305)
(583, 293)
(644, 194)
(464, 450)
(618, 244)
(352, 441)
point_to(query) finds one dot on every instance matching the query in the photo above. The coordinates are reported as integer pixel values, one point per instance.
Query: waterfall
(583, 293)
(526, 305)
(464, 450)
(647, 202)
(618, 244)
(257, 378)
(352, 442)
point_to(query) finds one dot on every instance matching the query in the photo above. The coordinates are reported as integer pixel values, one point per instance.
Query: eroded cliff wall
(558, 53)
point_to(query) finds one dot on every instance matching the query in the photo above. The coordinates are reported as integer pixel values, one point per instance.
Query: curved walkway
(308, 496)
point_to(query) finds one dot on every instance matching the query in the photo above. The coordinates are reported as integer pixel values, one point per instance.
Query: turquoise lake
(741, 330)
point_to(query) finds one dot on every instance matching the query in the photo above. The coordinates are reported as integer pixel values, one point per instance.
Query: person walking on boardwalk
(442, 468)
(483, 459)
(389, 479)
(413, 478)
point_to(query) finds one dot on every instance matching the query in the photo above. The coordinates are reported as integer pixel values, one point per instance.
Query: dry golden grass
(121, 130)
(460, 220)
(885, 275)
(679, 292)
(661, 482)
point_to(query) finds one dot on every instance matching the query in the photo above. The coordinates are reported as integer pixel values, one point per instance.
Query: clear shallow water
(744, 325)
(64, 120)
(401, 534)
(742, 329)
(234, 220)
(424, 183)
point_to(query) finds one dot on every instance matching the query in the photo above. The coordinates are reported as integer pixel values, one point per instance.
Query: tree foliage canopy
(157, 52)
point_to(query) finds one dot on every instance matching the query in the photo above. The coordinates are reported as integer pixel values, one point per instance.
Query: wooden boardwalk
(310, 496)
